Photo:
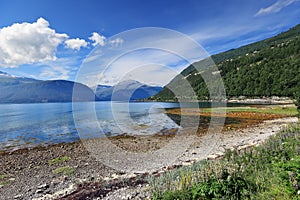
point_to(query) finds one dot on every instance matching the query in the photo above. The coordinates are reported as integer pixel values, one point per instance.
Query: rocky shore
(68, 171)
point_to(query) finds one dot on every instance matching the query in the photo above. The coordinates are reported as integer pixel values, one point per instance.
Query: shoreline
(238, 100)
(18, 142)
(28, 174)
(247, 118)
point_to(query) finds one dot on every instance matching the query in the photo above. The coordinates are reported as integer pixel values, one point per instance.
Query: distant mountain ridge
(270, 67)
(126, 90)
(8, 79)
(16, 89)
(26, 90)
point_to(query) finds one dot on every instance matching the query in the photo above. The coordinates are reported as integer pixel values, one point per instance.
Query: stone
(187, 163)
(43, 186)
(18, 196)
(39, 191)
(212, 156)
(220, 153)
(243, 147)
(170, 167)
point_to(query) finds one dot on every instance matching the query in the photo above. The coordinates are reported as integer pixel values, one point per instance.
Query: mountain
(270, 67)
(126, 90)
(103, 92)
(8, 79)
(26, 90)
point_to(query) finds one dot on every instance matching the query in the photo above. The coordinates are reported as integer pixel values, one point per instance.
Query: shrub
(270, 171)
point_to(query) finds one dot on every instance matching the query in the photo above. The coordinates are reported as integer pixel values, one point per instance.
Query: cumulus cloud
(98, 39)
(76, 43)
(27, 43)
(274, 8)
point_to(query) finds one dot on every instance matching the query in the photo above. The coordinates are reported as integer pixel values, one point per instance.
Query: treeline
(266, 68)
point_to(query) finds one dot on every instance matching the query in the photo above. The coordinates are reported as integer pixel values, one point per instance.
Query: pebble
(18, 196)
(220, 153)
(188, 163)
(243, 147)
(39, 191)
(43, 186)
(212, 157)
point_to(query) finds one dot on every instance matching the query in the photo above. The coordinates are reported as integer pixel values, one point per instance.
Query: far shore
(240, 100)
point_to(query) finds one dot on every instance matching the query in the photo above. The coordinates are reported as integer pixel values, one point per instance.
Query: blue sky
(51, 39)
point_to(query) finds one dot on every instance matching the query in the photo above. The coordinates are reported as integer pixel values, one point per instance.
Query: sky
(55, 39)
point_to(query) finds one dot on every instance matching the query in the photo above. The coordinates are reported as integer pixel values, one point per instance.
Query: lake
(26, 125)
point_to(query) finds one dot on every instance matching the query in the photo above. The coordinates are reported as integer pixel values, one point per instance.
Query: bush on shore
(270, 171)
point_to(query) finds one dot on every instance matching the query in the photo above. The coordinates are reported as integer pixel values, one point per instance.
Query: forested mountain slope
(269, 67)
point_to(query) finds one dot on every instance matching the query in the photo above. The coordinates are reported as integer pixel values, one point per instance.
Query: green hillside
(270, 67)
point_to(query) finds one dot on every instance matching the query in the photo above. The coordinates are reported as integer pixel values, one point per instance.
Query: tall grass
(270, 171)
(289, 111)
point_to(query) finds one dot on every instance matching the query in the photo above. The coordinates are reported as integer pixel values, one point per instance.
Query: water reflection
(26, 125)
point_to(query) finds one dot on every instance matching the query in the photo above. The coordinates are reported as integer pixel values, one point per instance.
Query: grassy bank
(280, 110)
(270, 171)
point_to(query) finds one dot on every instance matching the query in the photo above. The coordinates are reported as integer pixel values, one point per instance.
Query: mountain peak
(126, 90)
(129, 82)
(3, 73)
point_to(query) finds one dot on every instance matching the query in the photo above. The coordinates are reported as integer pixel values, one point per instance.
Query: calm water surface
(24, 125)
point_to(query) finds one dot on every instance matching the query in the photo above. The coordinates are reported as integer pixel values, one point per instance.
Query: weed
(66, 170)
(269, 171)
(59, 160)
(289, 111)
(2, 176)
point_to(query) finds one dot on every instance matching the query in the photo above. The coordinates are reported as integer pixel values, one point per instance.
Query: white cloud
(274, 8)
(150, 66)
(98, 39)
(146, 66)
(55, 73)
(62, 68)
(213, 33)
(27, 43)
(159, 74)
(76, 43)
(116, 42)
(149, 55)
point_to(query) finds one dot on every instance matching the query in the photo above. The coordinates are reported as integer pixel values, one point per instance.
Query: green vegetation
(59, 160)
(266, 68)
(297, 102)
(289, 111)
(269, 171)
(66, 170)
(4, 180)
(4, 183)
(2, 176)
